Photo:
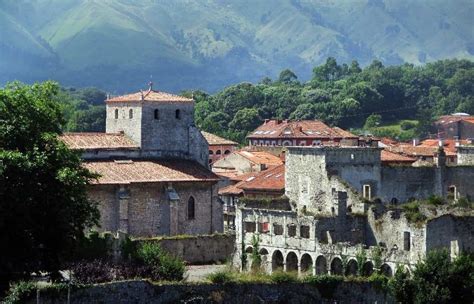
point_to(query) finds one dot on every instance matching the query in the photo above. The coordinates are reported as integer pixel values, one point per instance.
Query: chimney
(456, 141)
(278, 121)
(440, 143)
(416, 142)
(150, 85)
(265, 122)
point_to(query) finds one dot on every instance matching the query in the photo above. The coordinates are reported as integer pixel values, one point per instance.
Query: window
(227, 152)
(263, 227)
(218, 152)
(277, 229)
(157, 114)
(366, 192)
(249, 226)
(406, 241)
(130, 113)
(116, 113)
(191, 210)
(211, 152)
(178, 114)
(304, 231)
(292, 230)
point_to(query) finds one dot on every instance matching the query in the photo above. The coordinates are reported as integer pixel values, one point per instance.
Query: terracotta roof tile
(391, 157)
(150, 95)
(298, 129)
(213, 139)
(143, 171)
(269, 180)
(85, 141)
(261, 157)
(448, 144)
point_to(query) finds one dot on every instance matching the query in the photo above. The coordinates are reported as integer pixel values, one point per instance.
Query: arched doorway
(336, 266)
(306, 264)
(291, 261)
(321, 265)
(351, 269)
(277, 260)
(386, 270)
(368, 268)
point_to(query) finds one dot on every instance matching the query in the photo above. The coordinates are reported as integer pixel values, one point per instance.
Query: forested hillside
(339, 94)
(209, 44)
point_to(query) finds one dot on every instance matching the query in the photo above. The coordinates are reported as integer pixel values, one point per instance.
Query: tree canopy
(44, 209)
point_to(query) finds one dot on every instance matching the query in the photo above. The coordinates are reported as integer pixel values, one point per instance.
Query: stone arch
(394, 201)
(306, 263)
(218, 152)
(277, 260)
(227, 152)
(249, 249)
(351, 268)
(321, 265)
(291, 261)
(336, 266)
(368, 268)
(386, 270)
(263, 251)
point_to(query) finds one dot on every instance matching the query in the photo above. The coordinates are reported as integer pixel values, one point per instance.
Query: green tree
(372, 121)
(44, 209)
(303, 112)
(245, 120)
(287, 77)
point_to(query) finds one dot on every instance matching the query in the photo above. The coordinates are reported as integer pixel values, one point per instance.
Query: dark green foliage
(94, 246)
(407, 125)
(164, 266)
(44, 209)
(413, 213)
(221, 277)
(280, 277)
(19, 292)
(435, 200)
(256, 257)
(326, 284)
(437, 279)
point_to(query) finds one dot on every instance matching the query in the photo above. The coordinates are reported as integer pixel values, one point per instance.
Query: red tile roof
(268, 180)
(415, 151)
(150, 95)
(143, 171)
(298, 129)
(448, 144)
(214, 140)
(261, 157)
(85, 141)
(447, 119)
(391, 157)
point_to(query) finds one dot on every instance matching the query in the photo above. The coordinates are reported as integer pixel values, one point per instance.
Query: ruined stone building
(153, 167)
(344, 207)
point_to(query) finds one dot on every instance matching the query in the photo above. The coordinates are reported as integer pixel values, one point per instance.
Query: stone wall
(452, 232)
(145, 292)
(465, 155)
(145, 210)
(202, 249)
(131, 126)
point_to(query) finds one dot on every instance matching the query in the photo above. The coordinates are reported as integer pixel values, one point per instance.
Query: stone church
(153, 170)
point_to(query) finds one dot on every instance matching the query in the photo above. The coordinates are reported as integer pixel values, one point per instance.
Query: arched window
(191, 210)
(116, 113)
(227, 152)
(218, 152)
(130, 113)
(157, 114)
(178, 114)
(211, 152)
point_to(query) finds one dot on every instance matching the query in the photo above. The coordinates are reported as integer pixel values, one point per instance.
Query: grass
(395, 130)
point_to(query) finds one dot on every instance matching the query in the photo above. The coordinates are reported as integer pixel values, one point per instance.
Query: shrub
(326, 284)
(19, 292)
(407, 125)
(164, 266)
(379, 281)
(92, 247)
(401, 287)
(91, 272)
(413, 213)
(221, 277)
(435, 200)
(283, 277)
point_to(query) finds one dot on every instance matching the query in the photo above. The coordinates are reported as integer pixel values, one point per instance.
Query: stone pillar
(174, 220)
(314, 267)
(299, 269)
(123, 197)
(284, 264)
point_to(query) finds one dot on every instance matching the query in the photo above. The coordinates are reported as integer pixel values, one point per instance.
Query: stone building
(344, 207)
(218, 146)
(153, 167)
(455, 126)
(242, 161)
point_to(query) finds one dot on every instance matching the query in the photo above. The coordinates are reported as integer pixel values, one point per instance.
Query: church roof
(94, 141)
(147, 171)
(152, 96)
(214, 140)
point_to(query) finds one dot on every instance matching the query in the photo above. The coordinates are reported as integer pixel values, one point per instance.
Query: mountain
(119, 45)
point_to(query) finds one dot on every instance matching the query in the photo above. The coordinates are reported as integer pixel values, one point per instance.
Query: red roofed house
(243, 161)
(218, 146)
(300, 133)
(456, 126)
(265, 184)
(153, 166)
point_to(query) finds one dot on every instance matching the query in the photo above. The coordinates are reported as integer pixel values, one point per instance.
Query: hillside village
(316, 198)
